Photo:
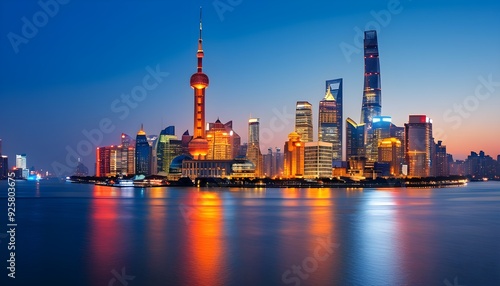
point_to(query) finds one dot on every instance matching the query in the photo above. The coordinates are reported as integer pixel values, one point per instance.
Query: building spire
(329, 95)
(200, 54)
(141, 132)
(200, 24)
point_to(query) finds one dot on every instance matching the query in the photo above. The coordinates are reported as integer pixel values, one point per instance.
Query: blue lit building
(142, 154)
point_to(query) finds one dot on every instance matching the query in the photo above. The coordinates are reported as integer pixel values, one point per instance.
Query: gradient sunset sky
(436, 58)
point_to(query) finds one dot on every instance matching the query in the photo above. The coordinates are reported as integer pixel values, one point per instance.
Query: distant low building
(237, 168)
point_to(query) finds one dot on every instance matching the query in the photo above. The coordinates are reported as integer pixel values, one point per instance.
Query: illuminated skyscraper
(418, 137)
(21, 161)
(354, 139)
(381, 129)
(254, 154)
(116, 159)
(227, 134)
(236, 139)
(294, 156)
(330, 117)
(167, 148)
(198, 146)
(219, 142)
(142, 153)
(303, 121)
(388, 152)
(372, 96)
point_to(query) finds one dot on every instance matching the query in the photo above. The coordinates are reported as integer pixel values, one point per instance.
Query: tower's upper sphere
(199, 80)
(198, 147)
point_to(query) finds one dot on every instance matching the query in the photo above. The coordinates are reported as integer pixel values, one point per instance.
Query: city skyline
(157, 111)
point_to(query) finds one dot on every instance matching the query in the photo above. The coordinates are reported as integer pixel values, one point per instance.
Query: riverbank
(343, 182)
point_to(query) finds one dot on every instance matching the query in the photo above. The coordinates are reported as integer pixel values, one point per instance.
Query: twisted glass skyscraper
(372, 96)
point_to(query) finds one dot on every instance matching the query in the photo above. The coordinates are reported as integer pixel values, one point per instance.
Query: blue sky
(436, 58)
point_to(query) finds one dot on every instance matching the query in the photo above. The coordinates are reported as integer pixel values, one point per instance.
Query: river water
(78, 234)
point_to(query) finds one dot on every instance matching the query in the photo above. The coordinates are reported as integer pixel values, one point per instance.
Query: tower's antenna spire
(200, 23)
(199, 55)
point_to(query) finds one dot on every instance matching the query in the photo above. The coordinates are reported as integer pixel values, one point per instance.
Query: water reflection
(195, 236)
(378, 232)
(203, 255)
(106, 235)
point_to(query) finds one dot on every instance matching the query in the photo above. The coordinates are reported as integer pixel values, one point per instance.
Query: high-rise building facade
(21, 161)
(372, 93)
(480, 166)
(142, 153)
(235, 138)
(198, 146)
(115, 160)
(389, 150)
(253, 153)
(167, 148)
(318, 160)
(418, 141)
(4, 167)
(273, 163)
(4, 164)
(220, 142)
(442, 167)
(354, 139)
(330, 117)
(293, 156)
(304, 121)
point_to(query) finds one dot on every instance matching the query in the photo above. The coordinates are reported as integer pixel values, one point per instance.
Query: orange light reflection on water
(204, 226)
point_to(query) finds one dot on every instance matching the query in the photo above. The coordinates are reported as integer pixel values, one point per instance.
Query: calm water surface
(73, 234)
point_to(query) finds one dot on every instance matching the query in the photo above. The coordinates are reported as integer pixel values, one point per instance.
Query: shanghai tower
(372, 95)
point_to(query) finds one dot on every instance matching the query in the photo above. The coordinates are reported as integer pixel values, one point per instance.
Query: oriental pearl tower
(198, 146)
